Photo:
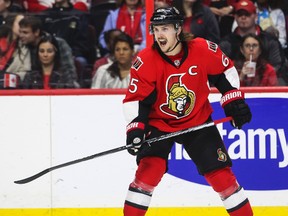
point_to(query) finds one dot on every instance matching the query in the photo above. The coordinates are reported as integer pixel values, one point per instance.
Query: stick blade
(31, 178)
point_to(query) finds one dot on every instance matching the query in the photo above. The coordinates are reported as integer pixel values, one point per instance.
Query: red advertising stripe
(18, 92)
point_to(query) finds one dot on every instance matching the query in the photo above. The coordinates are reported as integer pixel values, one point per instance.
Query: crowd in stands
(47, 44)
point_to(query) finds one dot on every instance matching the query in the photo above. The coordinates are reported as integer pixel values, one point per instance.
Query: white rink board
(42, 131)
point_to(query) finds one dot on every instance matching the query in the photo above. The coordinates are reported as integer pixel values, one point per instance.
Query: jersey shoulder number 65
(133, 85)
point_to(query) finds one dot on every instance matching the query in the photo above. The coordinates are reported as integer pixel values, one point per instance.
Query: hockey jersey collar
(166, 58)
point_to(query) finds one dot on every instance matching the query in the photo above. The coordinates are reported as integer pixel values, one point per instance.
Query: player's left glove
(135, 135)
(234, 105)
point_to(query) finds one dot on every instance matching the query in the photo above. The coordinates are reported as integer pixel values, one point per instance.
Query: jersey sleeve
(220, 68)
(140, 94)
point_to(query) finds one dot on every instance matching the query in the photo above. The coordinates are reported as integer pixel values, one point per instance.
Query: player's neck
(176, 50)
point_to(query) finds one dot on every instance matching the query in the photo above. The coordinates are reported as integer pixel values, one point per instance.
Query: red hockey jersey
(181, 91)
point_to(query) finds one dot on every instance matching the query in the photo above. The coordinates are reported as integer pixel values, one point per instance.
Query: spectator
(263, 74)
(30, 35)
(130, 18)
(109, 37)
(246, 17)
(271, 19)
(284, 7)
(99, 11)
(9, 33)
(64, 21)
(15, 57)
(223, 10)
(48, 74)
(7, 7)
(117, 73)
(199, 20)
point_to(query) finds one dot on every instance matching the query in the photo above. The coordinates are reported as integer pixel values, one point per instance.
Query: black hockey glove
(135, 135)
(234, 105)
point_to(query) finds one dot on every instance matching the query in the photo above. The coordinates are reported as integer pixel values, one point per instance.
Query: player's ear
(179, 30)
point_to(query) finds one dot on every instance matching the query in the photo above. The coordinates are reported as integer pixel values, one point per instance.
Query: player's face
(166, 37)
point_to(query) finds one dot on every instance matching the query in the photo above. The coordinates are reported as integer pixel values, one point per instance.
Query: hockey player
(168, 91)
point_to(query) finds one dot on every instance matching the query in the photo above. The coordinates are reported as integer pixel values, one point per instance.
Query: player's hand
(135, 135)
(235, 106)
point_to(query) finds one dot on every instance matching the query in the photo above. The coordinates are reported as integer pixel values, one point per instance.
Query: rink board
(52, 129)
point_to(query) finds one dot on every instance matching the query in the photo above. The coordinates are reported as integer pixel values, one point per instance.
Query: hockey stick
(152, 140)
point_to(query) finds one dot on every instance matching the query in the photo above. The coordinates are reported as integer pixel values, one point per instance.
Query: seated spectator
(64, 21)
(99, 11)
(117, 73)
(245, 16)
(14, 57)
(271, 19)
(130, 18)
(199, 19)
(9, 33)
(30, 35)
(109, 37)
(263, 74)
(48, 73)
(7, 7)
(223, 10)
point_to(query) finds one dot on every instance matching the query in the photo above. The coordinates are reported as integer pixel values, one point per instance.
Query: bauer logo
(259, 151)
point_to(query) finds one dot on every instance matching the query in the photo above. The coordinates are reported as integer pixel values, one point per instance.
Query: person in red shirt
(9, 33)
(168, 92)
(130, 18)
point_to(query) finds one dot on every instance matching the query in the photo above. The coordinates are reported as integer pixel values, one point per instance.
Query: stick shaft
(149, 141)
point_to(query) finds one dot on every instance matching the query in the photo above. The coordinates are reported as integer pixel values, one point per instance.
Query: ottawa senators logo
(180, 101)
(221, 155)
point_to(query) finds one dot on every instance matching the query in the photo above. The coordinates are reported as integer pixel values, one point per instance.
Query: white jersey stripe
(131, 110)
(233, 77)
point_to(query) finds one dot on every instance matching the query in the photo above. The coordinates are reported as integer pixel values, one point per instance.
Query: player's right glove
(234, 105)
(135, 135)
